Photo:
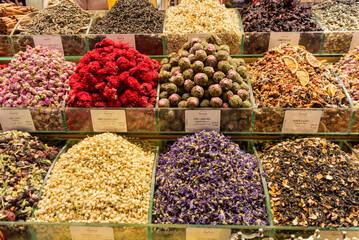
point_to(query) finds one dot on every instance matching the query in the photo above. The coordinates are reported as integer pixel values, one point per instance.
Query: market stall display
(62, 18)
(138, 17)
(203, 75)
(206, 178)
(37, 78)
(198, 17)
(107, 175)
(112, 75)
(312, 182)
(288, 76)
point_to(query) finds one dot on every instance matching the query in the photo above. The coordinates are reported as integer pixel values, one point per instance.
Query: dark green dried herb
(62, 18)
(130, 17)
(24, 162)
(312, 182)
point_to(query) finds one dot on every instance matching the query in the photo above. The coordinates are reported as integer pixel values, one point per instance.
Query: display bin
(141, 120)
(33, 119)
(337, 42)
(175, 41)
(332, 121)
(148, 44)
(71, 45)
(260, 42)
(24, 230)
(231, 120)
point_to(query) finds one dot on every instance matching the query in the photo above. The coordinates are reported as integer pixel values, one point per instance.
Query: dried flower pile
(312, 182)
(288, 76)
(103, 179)
(202, 74)
(348, 70)
(35, 78)
(202, 16)
(278, 16)
(338, 15)
(207, 179)
(129, 17)
(24, 162)
(112, 75)
(62, 18)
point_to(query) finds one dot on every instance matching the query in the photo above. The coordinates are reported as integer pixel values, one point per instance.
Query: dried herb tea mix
(288, 76)
(24, 162)
(278, 16)
(338, 15)
(312, 182)
(130, 17)
(63, 17)
(207, 179)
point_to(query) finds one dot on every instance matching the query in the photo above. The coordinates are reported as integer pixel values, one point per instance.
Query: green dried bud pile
(312, 182)
(24, 162)
(204, 70)
(103, 179)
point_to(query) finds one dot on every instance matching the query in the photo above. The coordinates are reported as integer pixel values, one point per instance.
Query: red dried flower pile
(112, 75)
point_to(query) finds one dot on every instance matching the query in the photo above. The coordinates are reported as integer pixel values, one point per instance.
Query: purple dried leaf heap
(278, 16)
(207, 179)
(312, 182)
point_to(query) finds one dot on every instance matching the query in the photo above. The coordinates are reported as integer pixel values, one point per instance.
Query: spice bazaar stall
(180, 120)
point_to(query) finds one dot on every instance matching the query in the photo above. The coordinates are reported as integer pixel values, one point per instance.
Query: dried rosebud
(216, 102)
(222, 55)
(185, 96)
(174, 99)
(218, 76)
(166, 67)
(211, 61)
(195, 47)
(215, 90)
(184, 63)
(188, 74)
(171, 88)
(246, 104)
(224, 66)
(183, 53)
(243, 94)
(210, 49)
(164, 76)
(182, 104)
(201, 55)
(201, 79)
(234, 76)
(164, 102)
(197, 91)
(174, 61)
(197, 66)
(164, 94)
(235, 101)
(226, 84)
(192, 102)
(192, 58)
(235, 87)
(188, 85)
(177, 79)
(209, 71)
(227, 95)
(224, 48)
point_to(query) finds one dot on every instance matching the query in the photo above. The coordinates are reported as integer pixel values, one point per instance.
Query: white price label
(109, 120)
(355, 41)
(301, 121)
(201, 36)
(53, 42)
(197, 120)
(207, 233)
(91, 233)
(17, 119)
(277, 38)
(124, 38)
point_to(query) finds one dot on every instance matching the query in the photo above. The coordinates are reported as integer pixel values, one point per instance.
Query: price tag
(197, 120)
(124, 38)
(201, 36)
(109, 120)
(53, 42)
(17, 119)
(355, 41)
(207, 233)
(91, 233)
(277, 38)
(301, 121)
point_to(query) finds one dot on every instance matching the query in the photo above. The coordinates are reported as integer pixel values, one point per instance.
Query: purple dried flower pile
(207, 179)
